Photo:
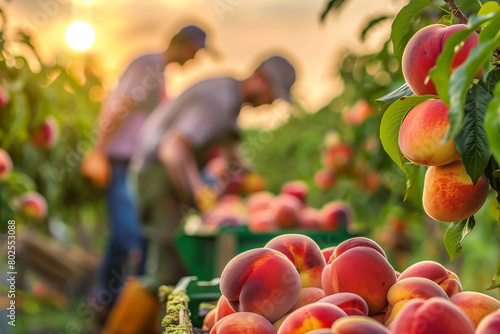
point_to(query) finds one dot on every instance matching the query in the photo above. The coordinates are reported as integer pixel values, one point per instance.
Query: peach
(253, 182)
(298, 189)
(379, 317)
(262, 221)
(308, 296)
(311, 317)
(286, 210)
(277, 324)
(327, 252)
(4, 97)
(336, 214)
(422, 132)
(331, 139)
(243, 323)
(434, 271)
(222, 309)
(321, 331)
(338, 157)
(209, 320)
(229, 211)
(33, 205)
(449, 194)
(350, 303)
(232, 199)
(46, 134)
(490, 324)
(407, 289)
(325, 179)
(363, 271)
(305, 255)
(358, 324)
(225, 215)
(475, 305)
(371, 181)
(432, 316)
(358, 113)
(357, 242)
(261, 280)
(422, 50)
(234, 184)
(5, 164)
(310, 219)
(259, 201)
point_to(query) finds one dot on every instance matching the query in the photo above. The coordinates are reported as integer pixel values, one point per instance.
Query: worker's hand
(95, 167)
(205, 198)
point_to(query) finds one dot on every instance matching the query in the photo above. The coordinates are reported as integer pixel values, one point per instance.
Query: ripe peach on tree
(422, 51)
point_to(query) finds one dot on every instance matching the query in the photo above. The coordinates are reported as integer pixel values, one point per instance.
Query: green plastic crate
(200, 292)
(205, 255)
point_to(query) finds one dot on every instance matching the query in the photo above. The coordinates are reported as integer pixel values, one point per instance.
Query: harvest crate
(188, 303)
(206, 254)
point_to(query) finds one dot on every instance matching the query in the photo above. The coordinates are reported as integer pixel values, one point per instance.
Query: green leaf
(471, 141)
(332, 4)
(489, 7)
(411, 170)
(402, 22)
(492, 124)
(391, 123)
(495, 207)
(489, 40)
(495, 284)
(455, 234)
(446, 20)
(385, 101)
(21, 118)
(372, 23)
(453, 89)
(492, 172)
(440, 74)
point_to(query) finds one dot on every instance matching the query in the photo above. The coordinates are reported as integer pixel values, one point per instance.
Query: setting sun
(80, 35)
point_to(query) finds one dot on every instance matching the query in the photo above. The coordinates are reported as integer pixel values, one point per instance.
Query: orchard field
(350, 157)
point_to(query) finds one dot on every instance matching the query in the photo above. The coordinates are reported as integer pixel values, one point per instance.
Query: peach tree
(455, 62)
(47, 112)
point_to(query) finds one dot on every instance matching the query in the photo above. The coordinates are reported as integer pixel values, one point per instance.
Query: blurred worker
(140, 89)
(173, 147)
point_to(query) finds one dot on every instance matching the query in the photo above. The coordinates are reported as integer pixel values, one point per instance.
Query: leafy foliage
(474, 106)
(402, 23)
(331, 6)
(66, 90)
(455, 234)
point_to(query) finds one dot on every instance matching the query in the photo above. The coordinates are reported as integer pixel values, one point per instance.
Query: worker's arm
(175, 152)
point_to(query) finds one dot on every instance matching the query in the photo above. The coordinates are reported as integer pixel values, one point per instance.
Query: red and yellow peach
(261, 280)
(449, 194)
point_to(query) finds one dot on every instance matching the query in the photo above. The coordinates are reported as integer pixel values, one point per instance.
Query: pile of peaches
(264, 211)
(292, 286)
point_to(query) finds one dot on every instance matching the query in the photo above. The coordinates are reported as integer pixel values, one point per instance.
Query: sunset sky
(241, 31)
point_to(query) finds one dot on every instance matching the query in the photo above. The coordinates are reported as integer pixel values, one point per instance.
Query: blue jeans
(125, 236)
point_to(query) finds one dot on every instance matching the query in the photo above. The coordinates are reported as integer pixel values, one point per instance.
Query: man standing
(173, 147)
(140, 89)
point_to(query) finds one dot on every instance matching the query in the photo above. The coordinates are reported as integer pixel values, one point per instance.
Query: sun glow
(80, 35)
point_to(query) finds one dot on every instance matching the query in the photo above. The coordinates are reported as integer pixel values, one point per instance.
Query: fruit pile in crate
(291, 286)
(265, 212)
